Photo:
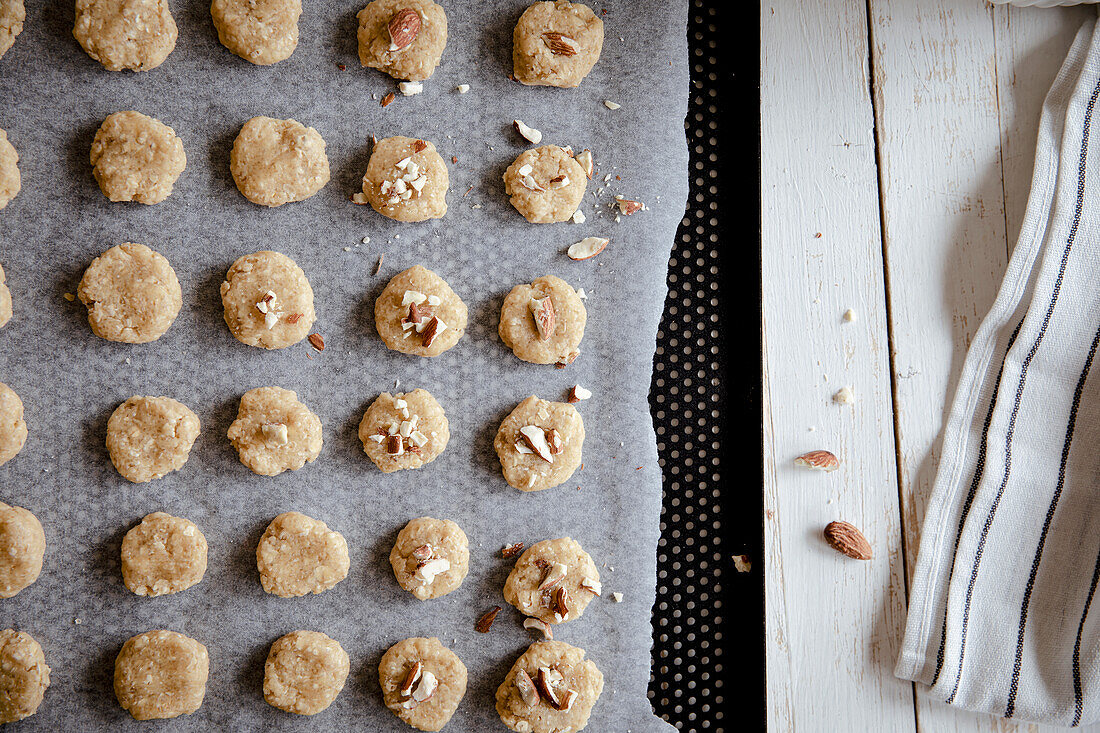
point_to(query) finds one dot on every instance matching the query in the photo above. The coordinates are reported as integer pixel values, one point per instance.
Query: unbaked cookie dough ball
(261, 31)
(12, 15)
(9, 170)
(275, 432)
(545, 184)
(126, 34)
(304, 672)
(274, 162)
(13, 428)
(554, 580)
(406, 180)
(418, 313)
(539, 444)
(268, 301)
(22, 545)
(403, 38)
(5, 300)
(556, 44)
(422, 682)
(430, 557)
(405, 430)
(132, 294)
(161, 674)
(149, 437)
(136, 158)
(298, 555)
(162, 555)
(24, 675)
(550, 688)
(543, 322)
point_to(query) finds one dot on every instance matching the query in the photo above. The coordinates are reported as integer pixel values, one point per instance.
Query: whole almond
(847, 540)
(821, 460)
(403, 27)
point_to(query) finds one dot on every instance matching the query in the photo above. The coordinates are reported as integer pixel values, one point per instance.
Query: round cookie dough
(415, 51)
(543, 332)
(298, 555)
(430, 557)
(274, 162)
(275, 432)
(406, 430)
(5, 300)
(22, 545)
(406, 180)
(539, 444)
(304, 672)
(9, 170)
(149, 437)
(261, 31)
(12, 15)
(268, 301)
(412, 331)
(554, 580)
(575, 682)
(132, 294)
(161, 674)
(136, 158)
(24, 675)
(13, 428)
(422, 682)
(556, 44)
(162, 555)
(126, 34)
(545, 184)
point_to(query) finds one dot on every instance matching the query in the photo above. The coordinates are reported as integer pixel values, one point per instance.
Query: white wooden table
(898, 142)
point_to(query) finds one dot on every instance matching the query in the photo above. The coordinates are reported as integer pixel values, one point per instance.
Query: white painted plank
(833, 624)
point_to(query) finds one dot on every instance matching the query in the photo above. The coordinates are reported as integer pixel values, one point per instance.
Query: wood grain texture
(833, 624)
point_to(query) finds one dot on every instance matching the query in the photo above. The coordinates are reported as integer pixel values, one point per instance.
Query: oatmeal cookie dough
(430, 557)
(261, 31)
(149, 437)
(274, 162)
(132, 294)
(403, 38)
(5, 300)
(22, 546)
(161, 674)
(24, 675)
(304, 672)
(545, 184)
(136, 158)
(274, 432)
(126, 34)
(543, 323)
(556, 44)
(405, 430)
(550, 688)
(13, 428)
(9, 170)
(298, 555)
(162, 555)
(554, 580)
(12, 15)
(422, 682)
(406, 180)
(268, 301)
(539, 444)
(418, 313)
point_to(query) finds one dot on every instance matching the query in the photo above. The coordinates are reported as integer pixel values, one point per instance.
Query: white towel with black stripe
(1003, 614)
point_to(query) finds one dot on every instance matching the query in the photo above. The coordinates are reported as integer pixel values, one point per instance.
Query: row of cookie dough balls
(554, 43)
(273, 162)
(162, 674)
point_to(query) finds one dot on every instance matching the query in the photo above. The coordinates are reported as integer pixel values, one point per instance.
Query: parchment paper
(53, 98)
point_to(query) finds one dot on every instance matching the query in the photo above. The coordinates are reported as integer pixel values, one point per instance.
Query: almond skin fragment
(430, 332)
(317, 341)
(403, 27)
(511, 550)
(545, 688)
(386, 100)
(486, 621)
(561, 603)
(820, 460)
(847, 540)
(559, 44)
(542, 309)
(628, 207)
(587, 248)
(411, 679)
(419, 145)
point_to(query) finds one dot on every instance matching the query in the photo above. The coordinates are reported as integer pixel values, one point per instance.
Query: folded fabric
(1003, 613)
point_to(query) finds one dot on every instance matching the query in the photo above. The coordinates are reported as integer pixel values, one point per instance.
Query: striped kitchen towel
(1003, 615)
